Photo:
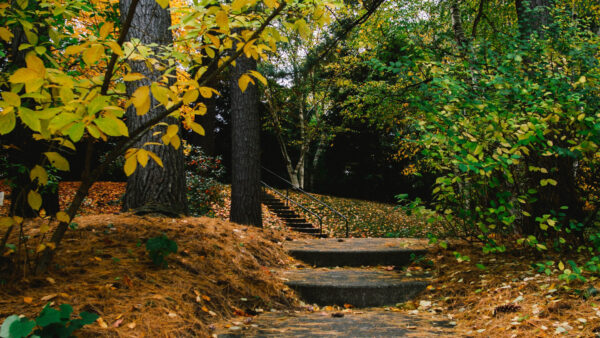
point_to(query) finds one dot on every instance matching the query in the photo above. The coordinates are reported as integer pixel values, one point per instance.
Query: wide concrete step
(294, 219)
(300, 225)
(357, 251)
(307, 230)
(360, 288)
(363, 323)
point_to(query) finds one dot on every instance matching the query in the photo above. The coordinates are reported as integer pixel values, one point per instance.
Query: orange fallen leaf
(132, 325)
(49, 297)
(205, 309)
(27, 300)
(206, 298)
(348, 306)
(102, 323)
(118, 322)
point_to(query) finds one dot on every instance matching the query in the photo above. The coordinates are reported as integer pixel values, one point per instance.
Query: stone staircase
(289, 216)
(327, 284)
(348, 271)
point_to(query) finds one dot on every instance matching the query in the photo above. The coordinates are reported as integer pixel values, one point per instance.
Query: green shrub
(159, 248)
(49, 323)
(202, 175)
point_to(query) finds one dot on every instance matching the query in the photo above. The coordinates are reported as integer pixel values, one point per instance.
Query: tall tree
(152, 185)
(245, 150)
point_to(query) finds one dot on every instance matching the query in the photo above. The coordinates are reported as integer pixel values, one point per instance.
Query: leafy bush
(49, 323)
(159, 248)
(202, 175)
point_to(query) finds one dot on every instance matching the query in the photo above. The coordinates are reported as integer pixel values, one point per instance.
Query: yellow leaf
(36, 64)
(207, 92)
(155, 158)
(172, 130)
(23, 75)
(243, 82)
(142, 157)
(271, 3)
(163, 3)
(561, 266)
(190, 96)
(44, 228)
(106, 28)
(197, 128)
(161, 94)
(237, 5)
(222, 20)
(72, 50)
(130, 165)
(5, 34)
(175, 142)
(12, 99)
(141, 100)
(133, 77)
(62, 216)
(259, 77)
(34, 199)
(215, 40)
(92, 54)
(5, 222)
(39, 173)
(115, 48)
(57, 161)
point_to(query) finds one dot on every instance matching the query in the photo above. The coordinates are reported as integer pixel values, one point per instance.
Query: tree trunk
(245, 152)
(153, 185)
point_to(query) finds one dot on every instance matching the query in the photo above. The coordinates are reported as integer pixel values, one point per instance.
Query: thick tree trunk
(153, 186)
(245, 152)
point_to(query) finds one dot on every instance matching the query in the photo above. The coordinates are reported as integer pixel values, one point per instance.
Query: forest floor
(222, 277)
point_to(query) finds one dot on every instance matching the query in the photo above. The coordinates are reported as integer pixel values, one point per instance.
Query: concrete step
(363, 323)
(360, 288)
(296, 219)
(357, 251)
(307, 230)
(300, 225)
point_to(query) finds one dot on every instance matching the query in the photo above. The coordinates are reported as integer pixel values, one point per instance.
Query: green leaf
(7, 122)
(112, 126)
(20, 328)
(57, 161)
(5, 329)
(48, 316)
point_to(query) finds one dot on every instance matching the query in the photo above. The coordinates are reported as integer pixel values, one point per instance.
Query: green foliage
(159, 248)
(202, 181)
(49, 323)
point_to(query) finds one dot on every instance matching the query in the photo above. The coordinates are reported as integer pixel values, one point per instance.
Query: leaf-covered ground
(365, 218)
(111, 275)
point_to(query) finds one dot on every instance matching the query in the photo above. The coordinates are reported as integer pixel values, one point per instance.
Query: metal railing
(297, 204)
(301, 191)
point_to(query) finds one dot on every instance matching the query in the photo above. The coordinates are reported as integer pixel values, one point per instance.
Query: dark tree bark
(28, 152)
(245, 152)
(153, 186)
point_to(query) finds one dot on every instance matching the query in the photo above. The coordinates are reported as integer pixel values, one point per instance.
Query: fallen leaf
(102, 323)
(51, 280)
(49, 297)
(27, 300)
(132, 325)
(118, 322)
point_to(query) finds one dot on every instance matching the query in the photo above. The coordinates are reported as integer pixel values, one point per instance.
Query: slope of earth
(365, 218)
(220, 270)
